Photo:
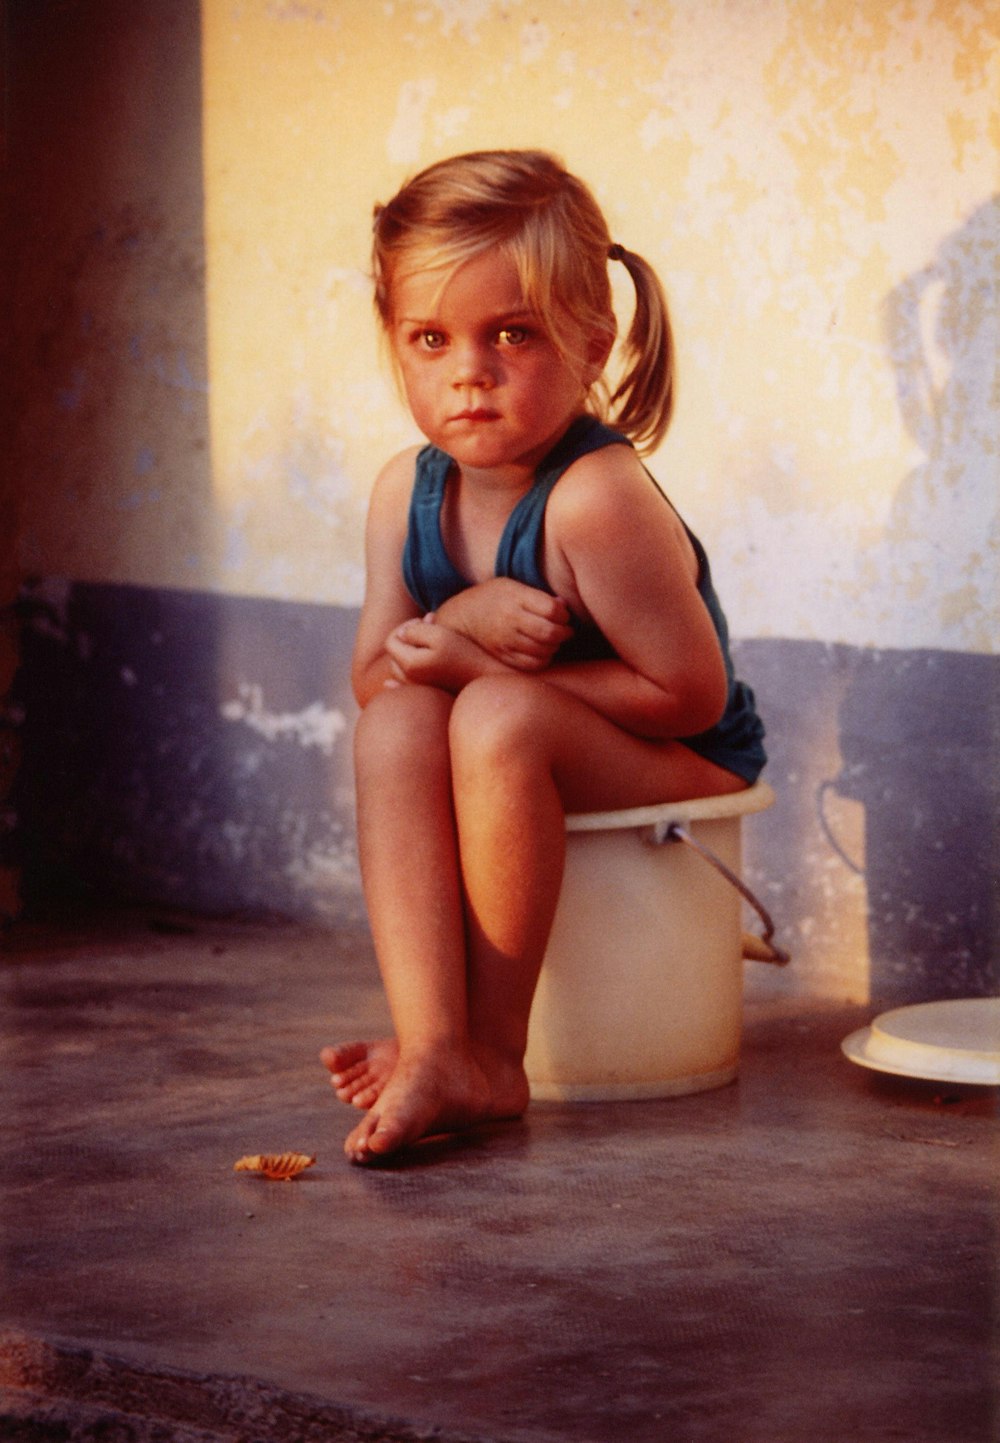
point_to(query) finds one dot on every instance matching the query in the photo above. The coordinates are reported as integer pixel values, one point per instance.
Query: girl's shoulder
(602, 480)
(608, 501)
(419, 469)
(400, 468)
(395, 480)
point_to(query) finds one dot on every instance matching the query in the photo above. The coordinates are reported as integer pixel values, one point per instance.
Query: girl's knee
(494, 715)
(401, 723)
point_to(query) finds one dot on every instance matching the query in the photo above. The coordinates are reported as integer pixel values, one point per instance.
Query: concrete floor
(805, 1257)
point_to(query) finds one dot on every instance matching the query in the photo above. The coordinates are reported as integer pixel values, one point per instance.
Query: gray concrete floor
(807, 1255)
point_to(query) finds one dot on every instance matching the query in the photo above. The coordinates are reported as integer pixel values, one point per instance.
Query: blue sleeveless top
(735, 742)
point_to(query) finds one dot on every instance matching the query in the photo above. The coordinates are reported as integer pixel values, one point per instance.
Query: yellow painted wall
(816, 181)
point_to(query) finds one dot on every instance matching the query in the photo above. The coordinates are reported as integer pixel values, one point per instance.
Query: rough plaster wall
(201, 405)
(107, 466)
(154, 772)
(878, 860)
(816, 183)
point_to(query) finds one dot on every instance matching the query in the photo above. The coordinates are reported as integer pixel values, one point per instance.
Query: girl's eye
(431, 340)
(513, 335)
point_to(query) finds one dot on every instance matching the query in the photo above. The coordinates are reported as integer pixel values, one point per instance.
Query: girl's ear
(599, 346)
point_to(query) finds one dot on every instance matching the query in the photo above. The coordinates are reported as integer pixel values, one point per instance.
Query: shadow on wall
(109, 390)
(108, 458)
(188, 750)
(917, 735)
(919, 729)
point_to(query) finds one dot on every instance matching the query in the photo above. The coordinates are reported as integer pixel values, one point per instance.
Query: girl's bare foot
(428, 1095)
(360, 1070)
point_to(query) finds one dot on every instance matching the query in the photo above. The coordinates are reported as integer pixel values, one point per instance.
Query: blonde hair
(527, 205)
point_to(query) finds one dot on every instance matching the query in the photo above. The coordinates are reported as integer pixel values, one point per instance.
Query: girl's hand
(433, 655)
(516, 624)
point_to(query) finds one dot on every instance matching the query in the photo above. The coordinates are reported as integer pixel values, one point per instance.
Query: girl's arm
(515, 623)
(393, 644)
(625, 697)
(434, 655)
(619, 549)
(387, 603)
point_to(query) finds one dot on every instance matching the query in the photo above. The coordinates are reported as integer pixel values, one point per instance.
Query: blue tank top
(735, 742)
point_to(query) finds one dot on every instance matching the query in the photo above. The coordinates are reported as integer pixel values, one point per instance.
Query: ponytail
(643, 402)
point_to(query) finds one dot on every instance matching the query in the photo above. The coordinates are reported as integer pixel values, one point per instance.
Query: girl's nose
(473, 367)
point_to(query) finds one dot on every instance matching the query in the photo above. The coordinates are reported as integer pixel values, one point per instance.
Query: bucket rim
(756, 798)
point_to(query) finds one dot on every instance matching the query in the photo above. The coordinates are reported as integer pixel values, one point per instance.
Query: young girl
(539, 632)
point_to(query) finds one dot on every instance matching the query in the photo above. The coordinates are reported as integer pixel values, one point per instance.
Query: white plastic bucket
(641, 990)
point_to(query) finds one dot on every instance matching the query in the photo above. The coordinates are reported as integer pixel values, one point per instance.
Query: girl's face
(483, 380)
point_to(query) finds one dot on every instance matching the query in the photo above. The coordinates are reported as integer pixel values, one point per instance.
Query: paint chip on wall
(404, 139)
(314, 726)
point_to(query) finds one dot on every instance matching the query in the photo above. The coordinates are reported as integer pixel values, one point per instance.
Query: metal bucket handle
(756, 949)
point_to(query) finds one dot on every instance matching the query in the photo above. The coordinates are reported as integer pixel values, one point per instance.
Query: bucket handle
(757, 949)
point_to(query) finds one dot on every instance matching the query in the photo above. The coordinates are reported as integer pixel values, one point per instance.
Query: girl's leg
(516, 756)
(424, 1079)
(512, 839)
(523, 754)
(409, 862)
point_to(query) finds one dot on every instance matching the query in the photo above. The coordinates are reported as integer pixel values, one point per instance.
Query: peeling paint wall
(201, 404)
(155, 773)
(816, 183)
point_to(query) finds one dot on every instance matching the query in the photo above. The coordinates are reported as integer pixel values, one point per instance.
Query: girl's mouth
(477, 413)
